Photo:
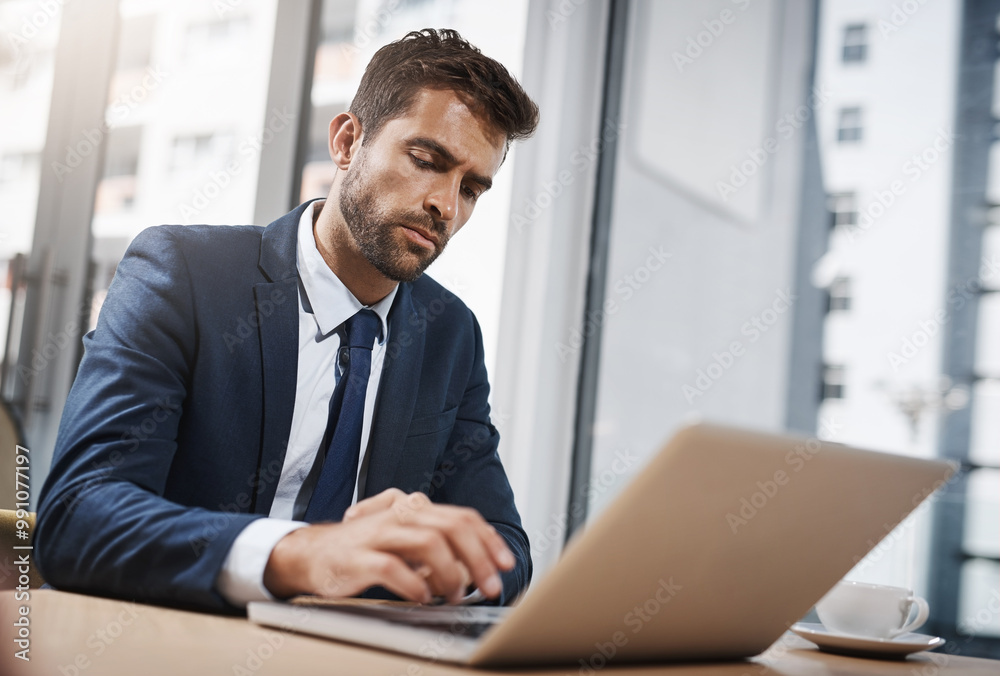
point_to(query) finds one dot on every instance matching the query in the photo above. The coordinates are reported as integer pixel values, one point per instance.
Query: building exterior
(905, 293)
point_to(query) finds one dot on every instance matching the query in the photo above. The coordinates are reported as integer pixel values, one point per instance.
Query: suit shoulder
(434, 296)
(203, 244)
(201, 235)
(442, 313)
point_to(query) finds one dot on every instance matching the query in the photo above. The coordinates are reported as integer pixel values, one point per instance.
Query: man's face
(413, 186)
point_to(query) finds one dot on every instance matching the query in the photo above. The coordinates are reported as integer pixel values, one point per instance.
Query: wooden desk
(74, 635)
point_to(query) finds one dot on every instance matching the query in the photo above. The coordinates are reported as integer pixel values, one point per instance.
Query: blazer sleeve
(472, 474)
(103, 525)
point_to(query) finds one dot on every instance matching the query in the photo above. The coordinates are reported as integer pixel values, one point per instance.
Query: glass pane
(979, 606)
(27, 61)
(695, 321)
(982, 517)
(472, 265)
(899, 559)
(987, 345)
(186, 118)
(738, 323)
(986, 423)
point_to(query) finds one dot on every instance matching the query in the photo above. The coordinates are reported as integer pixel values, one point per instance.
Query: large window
(186, 122)
(27, 60)
(911, 368)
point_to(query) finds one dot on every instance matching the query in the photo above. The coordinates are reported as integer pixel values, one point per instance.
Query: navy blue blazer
(174, 433)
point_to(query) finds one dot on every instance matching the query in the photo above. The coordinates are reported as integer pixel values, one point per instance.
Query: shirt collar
(326, 297)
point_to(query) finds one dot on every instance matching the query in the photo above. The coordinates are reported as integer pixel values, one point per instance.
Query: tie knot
(362, 329)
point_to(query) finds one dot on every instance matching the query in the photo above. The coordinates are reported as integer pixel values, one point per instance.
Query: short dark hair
(441, 59)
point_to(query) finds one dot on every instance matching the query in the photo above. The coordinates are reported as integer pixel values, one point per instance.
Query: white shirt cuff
(241, 579)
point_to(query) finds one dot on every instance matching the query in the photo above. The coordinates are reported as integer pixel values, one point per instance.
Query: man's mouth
(420, 236)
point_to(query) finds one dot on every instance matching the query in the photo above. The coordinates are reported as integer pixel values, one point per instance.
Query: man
(245, 386)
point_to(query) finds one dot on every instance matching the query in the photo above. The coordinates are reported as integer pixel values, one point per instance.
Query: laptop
(724, 539)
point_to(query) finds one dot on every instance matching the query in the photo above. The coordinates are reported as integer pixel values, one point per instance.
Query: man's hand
(405, 543)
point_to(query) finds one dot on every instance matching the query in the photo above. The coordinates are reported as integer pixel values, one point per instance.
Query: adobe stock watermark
(102, 639)
(624, 288)
(220, 520)
(776, 652)
(756, 157)
(220, 179)
(563, 11)
(273, 641)
(476, 441)
(54, 344)
(580, 159)
(373, 26)
(878, 547)
(247, 326)
(224, 7)
(100, 471)
(969, 629)
(433, 649)
(752, 329)
(116, 114)
(32, 25)
(635, 620)
(256, 657)
(598, 485)
(704, 39)
(983, 618)
(914, 342)
(914, 168)
(768, 487)
(900, 15)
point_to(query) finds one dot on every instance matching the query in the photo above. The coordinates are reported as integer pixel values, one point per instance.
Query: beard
(377, 230)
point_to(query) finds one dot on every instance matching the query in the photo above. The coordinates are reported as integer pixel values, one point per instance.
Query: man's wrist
(283, 576)
(241, 578)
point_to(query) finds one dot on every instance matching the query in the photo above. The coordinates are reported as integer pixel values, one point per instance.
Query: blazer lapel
(277, 308)
(397, 394)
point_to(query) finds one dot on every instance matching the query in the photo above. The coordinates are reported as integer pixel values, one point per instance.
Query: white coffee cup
(870, 610)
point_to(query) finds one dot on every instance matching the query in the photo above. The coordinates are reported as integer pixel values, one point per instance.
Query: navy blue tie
(342, 440)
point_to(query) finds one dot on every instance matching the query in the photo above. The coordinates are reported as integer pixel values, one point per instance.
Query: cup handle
(918, 621)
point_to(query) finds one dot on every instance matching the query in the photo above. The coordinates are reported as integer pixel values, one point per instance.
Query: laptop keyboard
(471, 621)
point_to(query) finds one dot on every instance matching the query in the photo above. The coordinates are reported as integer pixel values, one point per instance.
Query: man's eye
(470, 193)
(423, 164)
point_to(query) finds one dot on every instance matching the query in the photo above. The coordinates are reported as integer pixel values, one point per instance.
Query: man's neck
(340, 252)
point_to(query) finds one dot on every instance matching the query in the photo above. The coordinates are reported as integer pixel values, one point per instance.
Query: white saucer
(865, 647)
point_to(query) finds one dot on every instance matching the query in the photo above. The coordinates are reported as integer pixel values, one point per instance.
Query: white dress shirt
(324, 305)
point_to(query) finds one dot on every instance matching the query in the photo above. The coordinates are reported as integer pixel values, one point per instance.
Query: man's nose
(442, 202)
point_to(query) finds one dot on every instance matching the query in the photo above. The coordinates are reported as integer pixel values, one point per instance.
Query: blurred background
(770, 213)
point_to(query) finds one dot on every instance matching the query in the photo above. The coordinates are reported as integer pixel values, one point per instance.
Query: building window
(843, 208)
(855, 43)
(204, 35)
(839, 295)
(833, 382)
(849, 125)
(194, 150)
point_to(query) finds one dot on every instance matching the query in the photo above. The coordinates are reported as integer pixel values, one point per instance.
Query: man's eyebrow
(433, 146)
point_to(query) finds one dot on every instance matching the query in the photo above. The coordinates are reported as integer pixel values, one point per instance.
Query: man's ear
(345, 139)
